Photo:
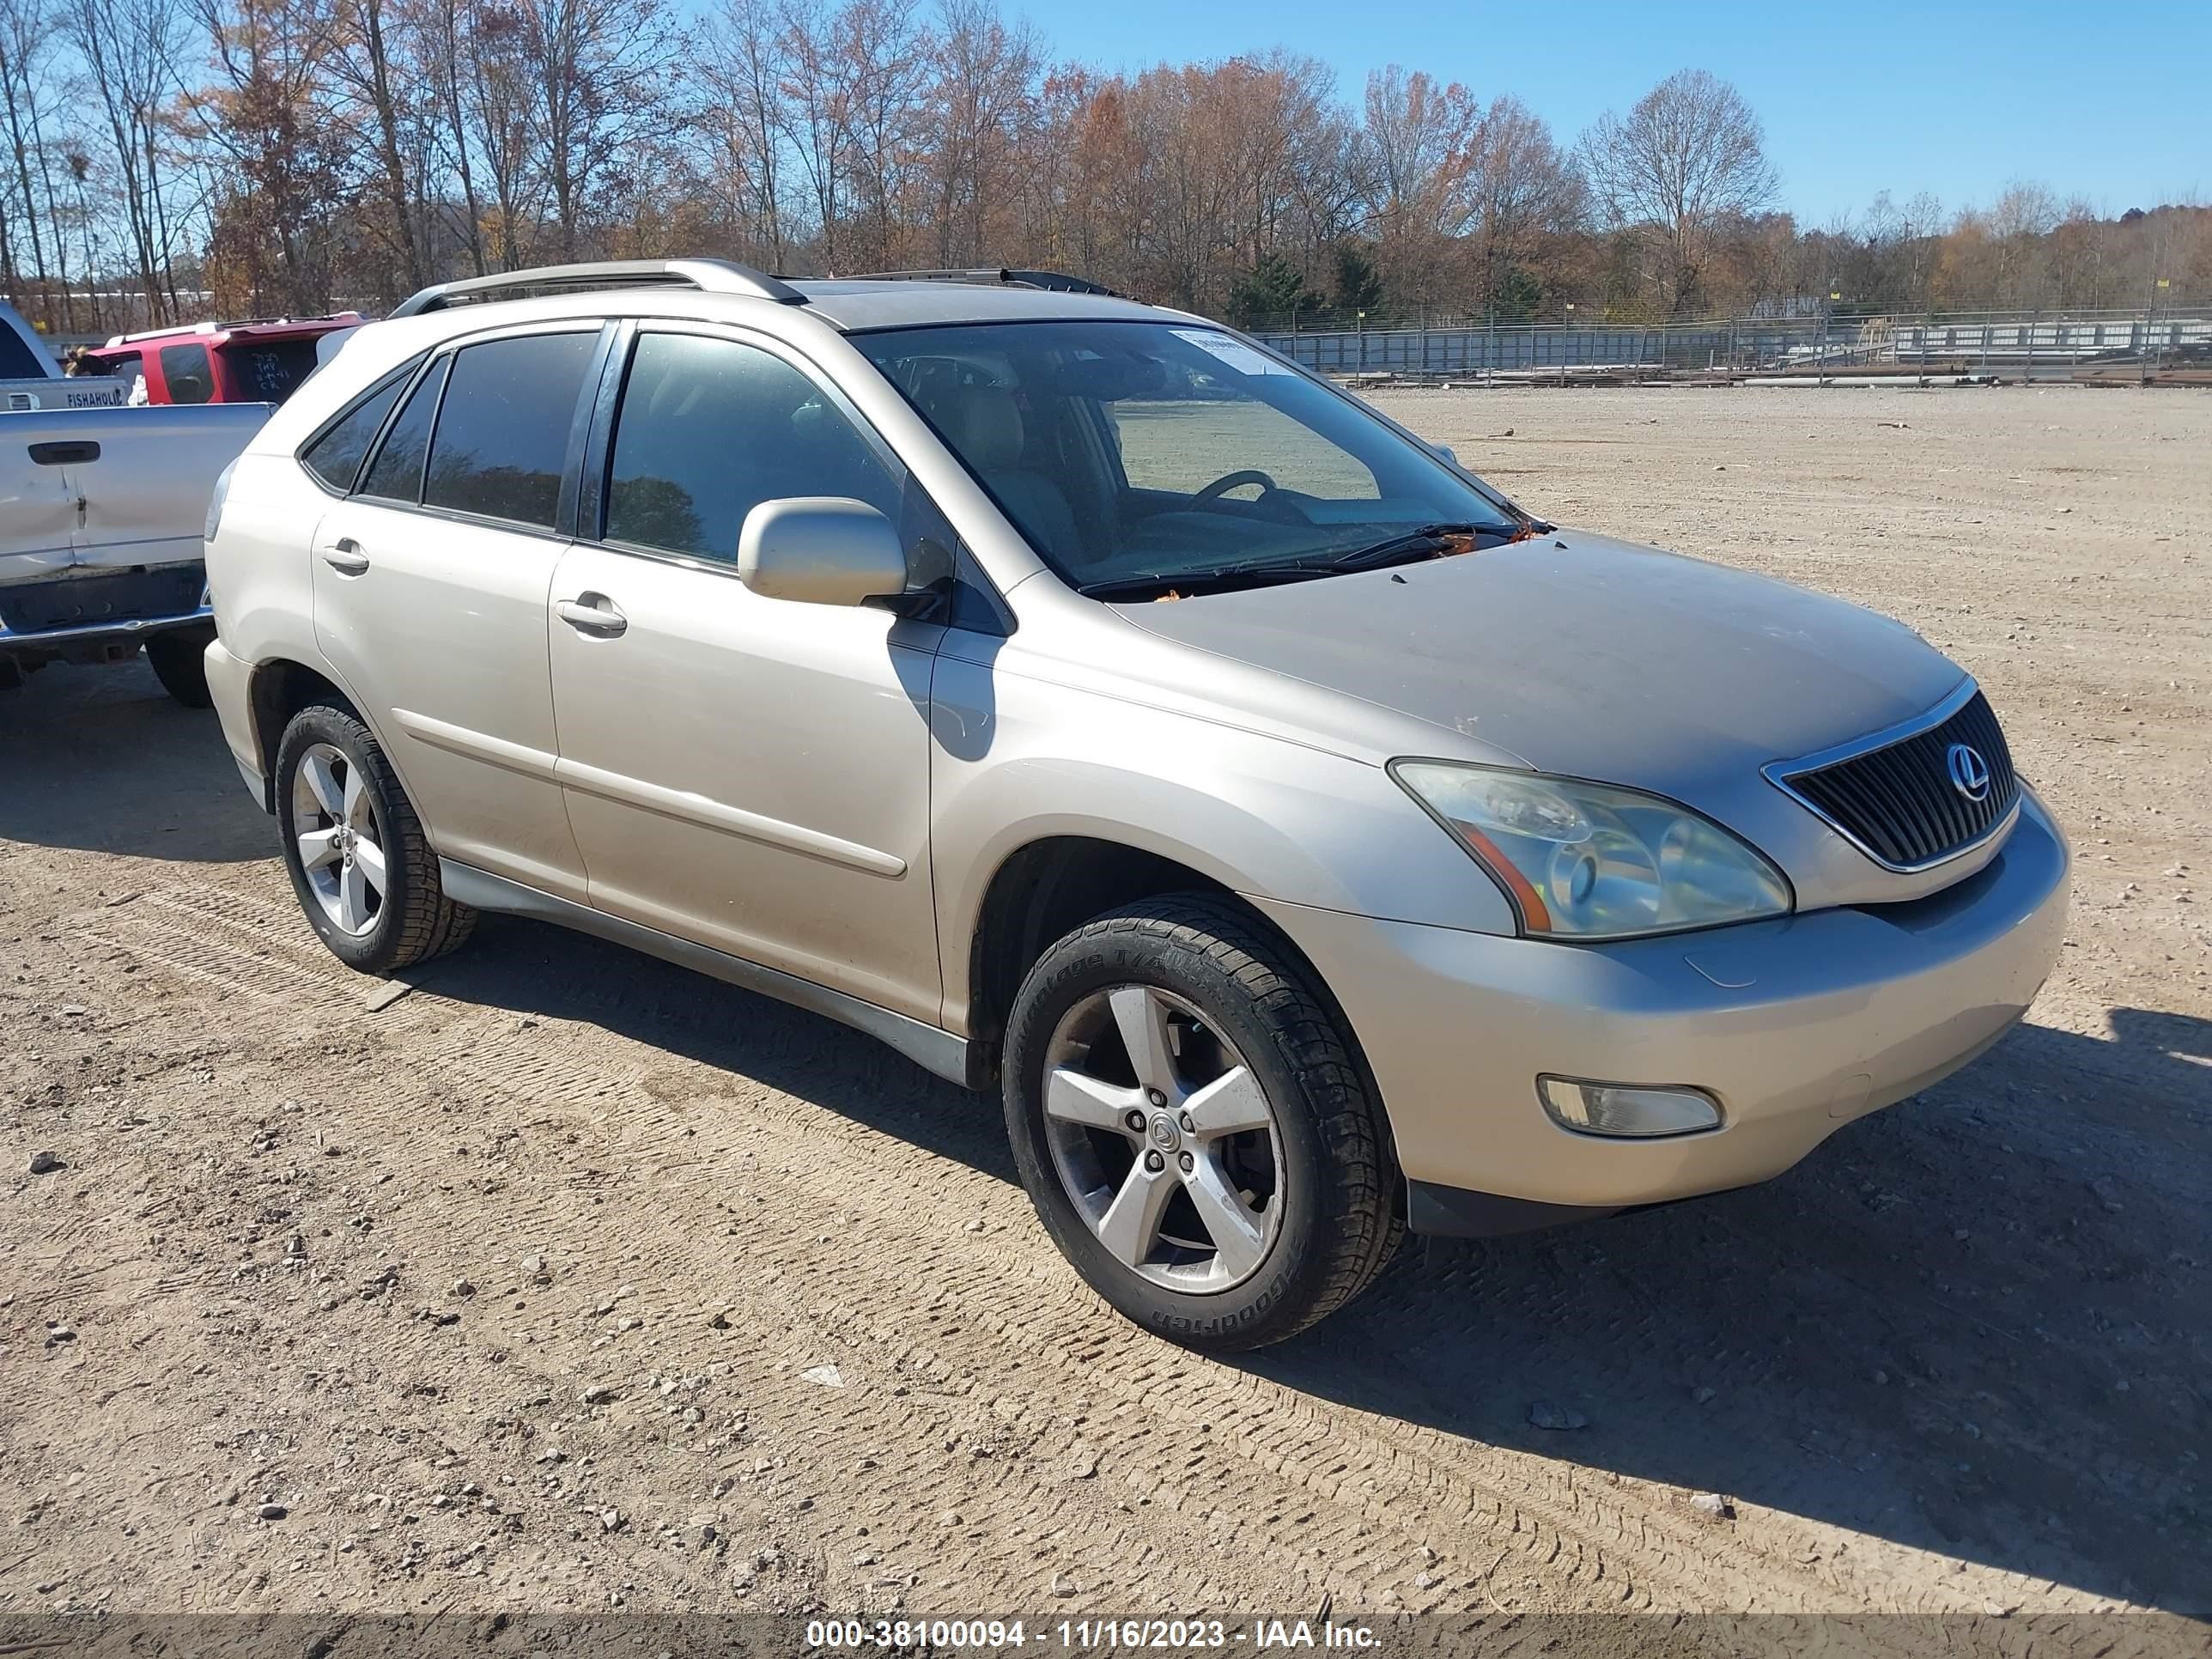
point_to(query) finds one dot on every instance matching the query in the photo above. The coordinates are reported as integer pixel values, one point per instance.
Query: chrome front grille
(1905, 799)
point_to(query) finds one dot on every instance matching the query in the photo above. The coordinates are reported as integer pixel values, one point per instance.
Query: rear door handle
(344, 555)
(579, 613)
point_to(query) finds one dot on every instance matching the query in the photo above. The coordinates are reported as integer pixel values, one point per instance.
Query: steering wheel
(1229, 481)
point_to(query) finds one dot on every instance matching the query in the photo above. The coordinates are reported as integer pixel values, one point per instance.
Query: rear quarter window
(335, 455)
(396, 474)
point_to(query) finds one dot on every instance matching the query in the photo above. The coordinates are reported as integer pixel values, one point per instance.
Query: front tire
(363, 870)
(1191, 1125)
(179, 661)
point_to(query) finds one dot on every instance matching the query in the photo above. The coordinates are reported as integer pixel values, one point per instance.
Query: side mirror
(1445, 453)
(820, 550)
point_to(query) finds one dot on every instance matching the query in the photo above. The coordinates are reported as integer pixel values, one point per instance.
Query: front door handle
(344, 555)
(582, 614)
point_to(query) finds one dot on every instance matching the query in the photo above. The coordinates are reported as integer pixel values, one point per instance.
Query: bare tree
(1417, 148)
(877, 60)
(1689, 157)
(26, 42)
(984, 102)
(130, 50)
(600, 75)
(742, 66)
(499, 106)
(368, 66)
(812, 114)
(440, 40)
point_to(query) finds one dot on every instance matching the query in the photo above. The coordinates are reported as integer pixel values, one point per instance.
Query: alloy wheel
(340, 843)
(1164, 1139)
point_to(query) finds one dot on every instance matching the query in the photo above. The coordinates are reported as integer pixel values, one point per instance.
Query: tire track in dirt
(1286, 1449)
(1398, 1488)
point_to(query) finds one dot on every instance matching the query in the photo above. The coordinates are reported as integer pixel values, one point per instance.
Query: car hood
(1588, 657)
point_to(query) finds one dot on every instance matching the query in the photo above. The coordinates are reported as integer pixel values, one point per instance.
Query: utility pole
(2150, 326)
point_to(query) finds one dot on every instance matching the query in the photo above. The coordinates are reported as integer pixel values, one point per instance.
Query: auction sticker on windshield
(1234, 353)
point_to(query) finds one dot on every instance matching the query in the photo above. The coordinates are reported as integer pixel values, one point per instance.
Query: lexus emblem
(1970, 773)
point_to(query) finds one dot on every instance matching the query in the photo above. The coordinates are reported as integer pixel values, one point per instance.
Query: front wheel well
(1045, 889)
(1048, 889)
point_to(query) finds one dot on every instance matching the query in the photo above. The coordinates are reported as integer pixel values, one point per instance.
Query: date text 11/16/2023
(988, 1635)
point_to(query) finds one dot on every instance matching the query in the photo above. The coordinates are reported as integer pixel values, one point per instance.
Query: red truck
(261, 361)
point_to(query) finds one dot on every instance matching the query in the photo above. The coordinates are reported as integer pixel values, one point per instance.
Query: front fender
(1017, 760)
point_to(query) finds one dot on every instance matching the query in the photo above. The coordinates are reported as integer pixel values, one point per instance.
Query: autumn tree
(283, 150)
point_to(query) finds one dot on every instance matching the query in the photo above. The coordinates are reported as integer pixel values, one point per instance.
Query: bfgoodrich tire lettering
(1228, 997)
(342, 813)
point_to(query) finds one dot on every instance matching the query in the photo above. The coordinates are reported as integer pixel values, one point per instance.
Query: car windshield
(1137, 454)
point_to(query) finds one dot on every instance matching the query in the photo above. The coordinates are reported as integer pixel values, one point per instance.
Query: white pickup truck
(102, 510)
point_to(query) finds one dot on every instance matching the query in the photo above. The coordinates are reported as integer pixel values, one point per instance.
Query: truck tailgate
(104, 487)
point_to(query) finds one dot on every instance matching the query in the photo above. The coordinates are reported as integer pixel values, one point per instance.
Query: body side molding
(935, 1050)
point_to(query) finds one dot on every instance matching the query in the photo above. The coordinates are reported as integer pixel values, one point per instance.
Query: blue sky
(2111, 102)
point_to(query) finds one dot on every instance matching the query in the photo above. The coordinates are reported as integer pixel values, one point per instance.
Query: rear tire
(1262, 1208)
(372, 892)
(179, 661)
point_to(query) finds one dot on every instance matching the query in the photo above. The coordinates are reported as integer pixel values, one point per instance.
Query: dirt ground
(570, 1280)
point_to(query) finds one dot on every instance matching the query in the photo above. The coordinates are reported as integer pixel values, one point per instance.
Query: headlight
(1587, 861)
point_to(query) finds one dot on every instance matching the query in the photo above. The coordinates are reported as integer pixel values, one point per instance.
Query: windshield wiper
(1184, 583)
(1430, 538)
(1423, 541)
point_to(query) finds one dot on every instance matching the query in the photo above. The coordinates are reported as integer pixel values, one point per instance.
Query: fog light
(1618, 1109)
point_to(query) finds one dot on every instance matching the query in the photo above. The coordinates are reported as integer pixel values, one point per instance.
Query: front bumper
(1795, 1026)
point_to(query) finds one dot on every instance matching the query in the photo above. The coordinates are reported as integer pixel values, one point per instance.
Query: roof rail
(1055, 282)
(708, 276)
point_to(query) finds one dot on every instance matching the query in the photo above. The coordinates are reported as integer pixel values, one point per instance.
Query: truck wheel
(1190, 1121)
(364, 872)
(177, 660)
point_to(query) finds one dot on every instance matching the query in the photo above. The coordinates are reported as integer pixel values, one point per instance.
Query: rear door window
(191, 377)
(501, 443)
